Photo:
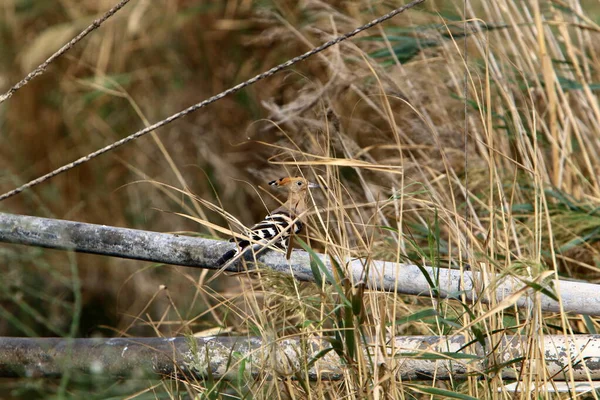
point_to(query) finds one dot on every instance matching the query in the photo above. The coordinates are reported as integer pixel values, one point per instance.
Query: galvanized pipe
(576, 297)
(410, 357)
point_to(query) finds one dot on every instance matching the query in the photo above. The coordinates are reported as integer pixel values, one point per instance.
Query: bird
(281, 223)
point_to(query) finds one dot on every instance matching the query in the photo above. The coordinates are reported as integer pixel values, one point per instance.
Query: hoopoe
(283, 222)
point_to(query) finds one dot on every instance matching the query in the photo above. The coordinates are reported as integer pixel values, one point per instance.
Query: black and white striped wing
(277, 223)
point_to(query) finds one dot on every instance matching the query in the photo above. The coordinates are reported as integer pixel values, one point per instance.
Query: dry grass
(384, 130)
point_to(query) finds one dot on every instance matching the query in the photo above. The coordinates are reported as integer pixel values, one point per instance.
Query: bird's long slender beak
(313, 185)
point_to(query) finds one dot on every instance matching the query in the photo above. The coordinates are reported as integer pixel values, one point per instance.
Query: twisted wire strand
(208, 101)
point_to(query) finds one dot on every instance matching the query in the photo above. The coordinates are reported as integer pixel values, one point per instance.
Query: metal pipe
(575, 297)
(410, 357)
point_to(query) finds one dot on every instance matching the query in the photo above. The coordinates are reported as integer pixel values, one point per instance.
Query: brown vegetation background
(147, 62)
(532, 154)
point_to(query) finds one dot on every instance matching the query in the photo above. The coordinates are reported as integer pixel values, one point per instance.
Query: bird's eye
(299, 183)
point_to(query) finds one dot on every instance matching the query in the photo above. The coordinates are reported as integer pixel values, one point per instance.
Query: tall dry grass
(380, 119)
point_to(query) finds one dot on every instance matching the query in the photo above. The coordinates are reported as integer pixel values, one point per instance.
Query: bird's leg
(288, 253)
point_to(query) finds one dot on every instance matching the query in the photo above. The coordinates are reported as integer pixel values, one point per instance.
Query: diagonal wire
(42, 67)
(210, 100)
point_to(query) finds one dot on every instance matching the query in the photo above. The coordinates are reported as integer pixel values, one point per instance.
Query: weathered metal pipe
(220, 357)
(576, 297)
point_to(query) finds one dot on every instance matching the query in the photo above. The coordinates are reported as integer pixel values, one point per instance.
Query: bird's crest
(294, 183)
(288, 180)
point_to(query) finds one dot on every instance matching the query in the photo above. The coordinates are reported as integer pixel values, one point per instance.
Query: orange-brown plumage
(283, 221)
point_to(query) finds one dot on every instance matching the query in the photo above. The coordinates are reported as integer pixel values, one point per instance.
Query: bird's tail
(227, 256)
